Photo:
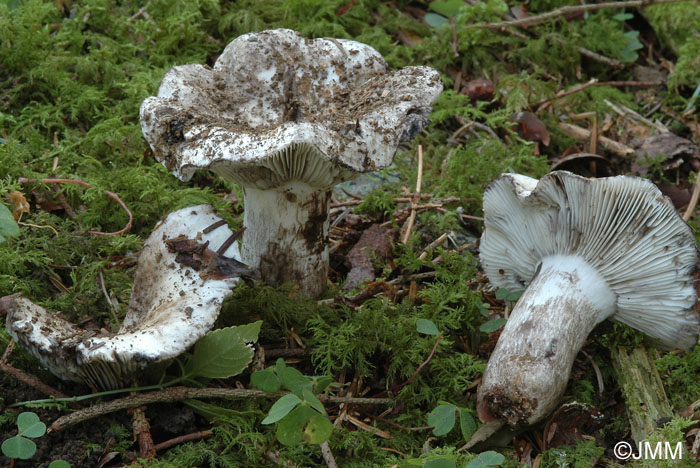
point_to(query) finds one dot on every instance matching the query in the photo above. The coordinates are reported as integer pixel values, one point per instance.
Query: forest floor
(530, 87)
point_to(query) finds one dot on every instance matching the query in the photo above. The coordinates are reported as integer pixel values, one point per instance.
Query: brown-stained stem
(175, 394)
(567, 10)
(111, 195)
(184, 438)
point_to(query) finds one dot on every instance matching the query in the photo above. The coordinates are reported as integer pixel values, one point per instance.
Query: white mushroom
(172, 306)
(586, 250)
(287, 118)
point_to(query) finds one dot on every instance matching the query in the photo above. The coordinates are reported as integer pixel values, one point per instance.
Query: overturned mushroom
(586, 250)
(179, 286)
(287, 118)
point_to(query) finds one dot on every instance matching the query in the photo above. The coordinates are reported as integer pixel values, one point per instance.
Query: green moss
(679, 373)
(584, 455)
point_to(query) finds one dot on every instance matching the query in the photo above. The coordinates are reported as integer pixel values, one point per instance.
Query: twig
(184, 438)
(328, 455)
(434, 244)
(416, 197)
(112, 306)
(8, 351)
(598, 58)
(31, 381)
(598, 375)
(594, 82)
(111, 195)
(142, 432)
(624, 111)
(454, 38)
(174, 394)
(569, 9)
(693, 202)
(562, 94)
(583, 134)
(398, 387)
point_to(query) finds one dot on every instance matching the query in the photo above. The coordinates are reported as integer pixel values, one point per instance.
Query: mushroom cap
(277, 107)
(172, 306)
(621, 226)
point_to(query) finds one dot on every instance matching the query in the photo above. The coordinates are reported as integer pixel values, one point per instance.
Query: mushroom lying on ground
(586, 250)
(179, 286)
(287, 118)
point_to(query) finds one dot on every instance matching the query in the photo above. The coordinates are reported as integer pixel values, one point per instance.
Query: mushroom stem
(530, 366)
(286, 235)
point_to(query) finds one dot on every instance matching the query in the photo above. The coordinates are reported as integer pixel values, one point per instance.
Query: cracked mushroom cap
(277, 107)
(172, 306)
(621, 226)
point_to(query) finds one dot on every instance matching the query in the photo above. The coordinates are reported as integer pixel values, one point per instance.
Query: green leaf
(281, 408)
(59, 464)
(209, 410)
(314, 402)
(30, 425)
(8, 227)
(492, 325)
(466, 424)
(318, 430)
(442, 419)
(435, 21)
(623, 16)
(266, 380)
(486, 460)
(250, 331)
(293, 380)
(223, 353)
(446, 7)
(321, 383)
(441, 462)
(629, 54)
(504, 295)
(291, 427)
(18, 447)
(427, 327)
(484, 308)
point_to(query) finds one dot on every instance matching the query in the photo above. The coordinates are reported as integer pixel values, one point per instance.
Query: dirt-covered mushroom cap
(287, 118)
(175, 300)
(586, 250)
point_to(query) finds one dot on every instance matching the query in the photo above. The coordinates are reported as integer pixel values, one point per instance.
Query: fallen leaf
(479, 90)
(20, 205)
(374, 240)
(530, 127)
(666, 146)
(569, 424)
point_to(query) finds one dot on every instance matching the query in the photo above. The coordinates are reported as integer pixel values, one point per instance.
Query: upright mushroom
(179, 286)
(585, 250)
(287, 118)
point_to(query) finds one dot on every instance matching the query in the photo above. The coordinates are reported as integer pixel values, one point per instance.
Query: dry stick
(566, 10)
(184, 438)
(416, 197)
(583, 134)
(174, 394)
(31, 381)
(562, 94)
(693, 202)
(328, 455)
(111, 195)
(434, 244)
(398, 387)
(614, 63)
